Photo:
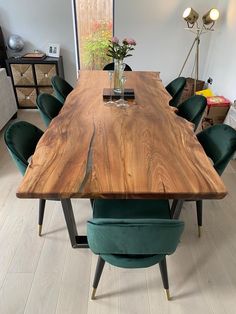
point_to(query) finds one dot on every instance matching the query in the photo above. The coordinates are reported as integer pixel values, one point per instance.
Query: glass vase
(118, 73)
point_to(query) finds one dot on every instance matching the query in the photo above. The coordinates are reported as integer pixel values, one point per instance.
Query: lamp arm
(195, 40)
(189, 25)
(213, 23)
(198, 32)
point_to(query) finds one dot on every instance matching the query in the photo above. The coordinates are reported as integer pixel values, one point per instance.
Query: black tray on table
(128, 94)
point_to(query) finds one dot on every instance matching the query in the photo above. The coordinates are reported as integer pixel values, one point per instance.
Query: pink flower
(122, 50)
(115, 40)
(125, 41)
(129, 41)
(132, 42)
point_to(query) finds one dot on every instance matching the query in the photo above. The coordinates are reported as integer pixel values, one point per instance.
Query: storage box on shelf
(217, 108)
(32, 77)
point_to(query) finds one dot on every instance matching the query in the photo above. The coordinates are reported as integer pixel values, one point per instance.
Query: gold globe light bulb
(190, 16)
(210, 17)
(186, 12)
(214, 14)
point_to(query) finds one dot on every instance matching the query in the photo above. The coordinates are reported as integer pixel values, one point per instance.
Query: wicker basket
(26, 97)
(44, 73)
(22, 74)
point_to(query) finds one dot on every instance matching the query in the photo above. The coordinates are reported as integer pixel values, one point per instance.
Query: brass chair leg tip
(168, 294)
(199, 231)
(40, 230)
(93, 296)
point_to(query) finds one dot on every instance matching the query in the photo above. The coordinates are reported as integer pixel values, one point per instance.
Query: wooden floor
(45, 275)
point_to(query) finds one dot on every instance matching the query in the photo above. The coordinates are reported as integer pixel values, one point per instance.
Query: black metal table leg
(76, 240)
(176, 208)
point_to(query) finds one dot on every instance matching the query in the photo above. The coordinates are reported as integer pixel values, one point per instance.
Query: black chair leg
(99, 269)
(199, 216)
(91, 202)
(176, 208)
(164, 276)
(41, 214)
(14, 116)
(173, 206)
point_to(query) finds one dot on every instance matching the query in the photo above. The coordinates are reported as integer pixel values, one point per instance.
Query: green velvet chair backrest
(175, 89)
(219, 143)
(131, 208)
(134, 236)
(192, 109)
(21, 139)
(61, 88)
(48, 106)
(110, 66)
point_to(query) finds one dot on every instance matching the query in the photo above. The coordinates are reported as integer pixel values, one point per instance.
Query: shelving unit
(32, 77)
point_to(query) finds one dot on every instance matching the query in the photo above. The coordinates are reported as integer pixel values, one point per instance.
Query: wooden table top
(94, 151)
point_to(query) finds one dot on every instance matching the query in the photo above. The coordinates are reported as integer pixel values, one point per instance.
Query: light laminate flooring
(45, 275)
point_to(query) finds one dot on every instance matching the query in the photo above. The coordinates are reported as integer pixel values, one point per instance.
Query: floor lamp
(208, 21)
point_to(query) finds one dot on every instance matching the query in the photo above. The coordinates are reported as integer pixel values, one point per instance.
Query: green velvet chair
(192, 109)
(48, 106)
(61, 88)
(21, 139)
(219, 144)
(133, 234)
(110, 67)
(175, 89)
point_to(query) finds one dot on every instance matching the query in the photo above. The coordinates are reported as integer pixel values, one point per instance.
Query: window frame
(76, 33)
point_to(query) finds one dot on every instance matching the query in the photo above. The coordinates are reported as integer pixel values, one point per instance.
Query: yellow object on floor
(205, 92)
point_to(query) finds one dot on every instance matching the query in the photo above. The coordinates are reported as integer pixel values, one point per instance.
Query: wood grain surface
(94, 151)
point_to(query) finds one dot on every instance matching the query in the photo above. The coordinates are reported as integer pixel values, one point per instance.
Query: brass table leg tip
(93, 297)
(199, 231)
(40, 230)
(168, 294)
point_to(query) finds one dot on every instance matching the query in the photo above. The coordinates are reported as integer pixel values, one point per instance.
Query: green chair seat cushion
(134, 236)
(132, 261)
(131, 209)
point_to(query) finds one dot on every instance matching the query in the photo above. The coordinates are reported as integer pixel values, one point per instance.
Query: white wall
(158, 27)
(222, 60)
(39, 23)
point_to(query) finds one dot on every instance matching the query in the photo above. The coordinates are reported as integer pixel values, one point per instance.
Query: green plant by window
(95, 48)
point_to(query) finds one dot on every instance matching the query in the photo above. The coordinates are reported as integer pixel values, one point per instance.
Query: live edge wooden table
(94, 151)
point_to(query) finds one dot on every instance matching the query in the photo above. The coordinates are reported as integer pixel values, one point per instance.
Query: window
(94, 27)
